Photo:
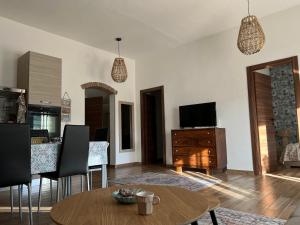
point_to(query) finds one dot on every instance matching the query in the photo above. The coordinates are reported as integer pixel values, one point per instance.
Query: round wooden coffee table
(177, 206)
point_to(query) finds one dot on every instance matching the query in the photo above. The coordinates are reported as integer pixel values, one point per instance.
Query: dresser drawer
(194, 141)
(195, 161)
(198, 151)
(196, 133)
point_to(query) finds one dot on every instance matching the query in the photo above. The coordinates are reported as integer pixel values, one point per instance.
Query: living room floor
(273, 195)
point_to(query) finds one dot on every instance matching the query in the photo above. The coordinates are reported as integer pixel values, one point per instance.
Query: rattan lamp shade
(251, 37)
(119, 71)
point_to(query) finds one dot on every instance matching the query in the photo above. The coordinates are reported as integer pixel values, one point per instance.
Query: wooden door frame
(252, 104)
(142, 113)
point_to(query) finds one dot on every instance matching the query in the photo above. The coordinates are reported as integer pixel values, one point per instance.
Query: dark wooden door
(153, 139)
(265, 120)
(149, 128)
(93, 114)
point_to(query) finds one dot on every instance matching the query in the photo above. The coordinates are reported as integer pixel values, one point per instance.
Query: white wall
(81, 64)
(212, 69)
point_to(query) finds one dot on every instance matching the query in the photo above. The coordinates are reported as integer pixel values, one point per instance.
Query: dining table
(44, 158)
(98, 207)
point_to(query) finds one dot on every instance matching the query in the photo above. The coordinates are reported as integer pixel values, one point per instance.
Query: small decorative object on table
(56, 140)
(125, 195)
(38, 140)
(66, 108)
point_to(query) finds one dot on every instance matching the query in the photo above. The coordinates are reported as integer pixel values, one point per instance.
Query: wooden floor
(274, 195)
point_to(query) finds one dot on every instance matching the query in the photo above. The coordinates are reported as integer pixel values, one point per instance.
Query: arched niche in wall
(110, 93)
(101, 86)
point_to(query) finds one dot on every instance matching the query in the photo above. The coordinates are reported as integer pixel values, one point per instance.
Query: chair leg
(11, 200)
(70, 185)
(30, 204)
(88, 181)
(40, 194)
(91, 180)
(63, 187)
(104, 183)
(57, 190)
(51, 197)
(20, 202)
(81, 182)
(67, 186)
(213, 217)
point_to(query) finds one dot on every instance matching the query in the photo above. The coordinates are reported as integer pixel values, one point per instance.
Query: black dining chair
(72, 159)
(15, 161)
(101, 134)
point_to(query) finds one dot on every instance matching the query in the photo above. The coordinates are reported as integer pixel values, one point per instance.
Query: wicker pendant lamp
(251, 37)
(119, 71)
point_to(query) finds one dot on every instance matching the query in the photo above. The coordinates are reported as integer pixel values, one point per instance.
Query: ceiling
(145, 25)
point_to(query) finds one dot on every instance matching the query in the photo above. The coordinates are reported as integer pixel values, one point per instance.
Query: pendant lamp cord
(249, 7)
(119, 48)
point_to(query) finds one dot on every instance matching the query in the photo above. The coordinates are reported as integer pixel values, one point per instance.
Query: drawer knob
(176, 150)
(175, 134)
(208, 132)
(208, 142)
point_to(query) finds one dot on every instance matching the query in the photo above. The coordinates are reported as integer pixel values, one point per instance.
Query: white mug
(145, 202)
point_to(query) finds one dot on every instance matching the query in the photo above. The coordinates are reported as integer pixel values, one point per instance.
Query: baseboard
(169, 166)
(125, 165)
(292, 163)
(240, 172)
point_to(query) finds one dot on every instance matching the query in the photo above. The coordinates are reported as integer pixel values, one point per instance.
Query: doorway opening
(100, 115)
(97, 115)
(274, 102)
(153, 126)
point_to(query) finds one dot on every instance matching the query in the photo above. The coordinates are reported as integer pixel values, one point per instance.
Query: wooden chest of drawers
(199, 148)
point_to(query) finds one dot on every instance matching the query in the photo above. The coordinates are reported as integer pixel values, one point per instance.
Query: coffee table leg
(213, 217)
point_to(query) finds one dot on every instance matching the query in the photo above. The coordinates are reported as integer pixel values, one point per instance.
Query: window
(126, 126)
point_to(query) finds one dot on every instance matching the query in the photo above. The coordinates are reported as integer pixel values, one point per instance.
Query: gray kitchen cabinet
(40, 75)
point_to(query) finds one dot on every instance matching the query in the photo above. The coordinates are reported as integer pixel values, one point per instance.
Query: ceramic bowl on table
(126, 196)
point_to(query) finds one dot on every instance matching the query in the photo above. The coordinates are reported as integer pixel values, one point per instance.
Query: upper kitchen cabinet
(40, 75)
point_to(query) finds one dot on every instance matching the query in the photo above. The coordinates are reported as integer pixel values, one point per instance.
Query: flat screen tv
(198, 115)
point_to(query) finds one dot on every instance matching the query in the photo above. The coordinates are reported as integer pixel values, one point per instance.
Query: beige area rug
(195, 181)
(233, 217)
(192, 182)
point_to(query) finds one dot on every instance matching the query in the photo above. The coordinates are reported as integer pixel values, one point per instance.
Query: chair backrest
(15, 154)
(73, 159)
(101, 134)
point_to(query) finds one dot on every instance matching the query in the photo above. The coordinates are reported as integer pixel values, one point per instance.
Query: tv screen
(198, 115)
